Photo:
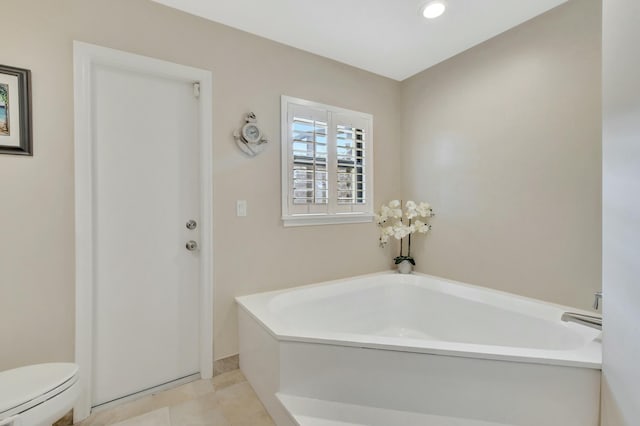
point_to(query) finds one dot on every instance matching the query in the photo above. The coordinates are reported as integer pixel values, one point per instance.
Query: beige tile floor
(225, 400)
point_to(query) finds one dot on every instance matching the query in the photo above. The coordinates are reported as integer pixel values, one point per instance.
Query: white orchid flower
(390, 219)
(421, 227)
(411, 209)
(400, 231)
(381, 219)
(424, 209)
(385, 233)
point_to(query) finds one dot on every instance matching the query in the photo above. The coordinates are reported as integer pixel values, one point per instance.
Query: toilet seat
(26, 387)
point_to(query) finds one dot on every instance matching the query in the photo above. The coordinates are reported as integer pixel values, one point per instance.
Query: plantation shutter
(327, 164)
(308, 161)
(351, 139)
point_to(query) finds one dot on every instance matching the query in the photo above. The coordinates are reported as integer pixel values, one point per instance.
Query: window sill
(323, 219)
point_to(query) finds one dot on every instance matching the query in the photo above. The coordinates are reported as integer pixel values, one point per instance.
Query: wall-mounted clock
(250, 138)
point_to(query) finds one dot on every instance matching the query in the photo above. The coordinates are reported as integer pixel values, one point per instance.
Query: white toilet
(37, 395)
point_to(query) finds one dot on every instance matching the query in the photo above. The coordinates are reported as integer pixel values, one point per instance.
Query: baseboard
(225, 365)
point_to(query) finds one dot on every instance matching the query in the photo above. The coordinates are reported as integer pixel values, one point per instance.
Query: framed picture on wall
(15, 111)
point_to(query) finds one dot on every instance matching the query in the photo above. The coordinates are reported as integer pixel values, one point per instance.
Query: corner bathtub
(421, 344)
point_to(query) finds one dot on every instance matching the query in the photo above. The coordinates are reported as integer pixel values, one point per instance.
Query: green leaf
(400, 259)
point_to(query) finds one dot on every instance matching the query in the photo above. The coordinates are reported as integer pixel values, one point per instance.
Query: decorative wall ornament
(249, 137)
(15, 111)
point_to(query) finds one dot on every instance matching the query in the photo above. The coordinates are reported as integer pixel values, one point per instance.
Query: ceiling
(386, 37)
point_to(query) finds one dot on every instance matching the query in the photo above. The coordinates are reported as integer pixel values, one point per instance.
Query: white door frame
(86, 57)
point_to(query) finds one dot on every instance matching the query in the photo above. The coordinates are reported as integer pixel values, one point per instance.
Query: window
(327, 164)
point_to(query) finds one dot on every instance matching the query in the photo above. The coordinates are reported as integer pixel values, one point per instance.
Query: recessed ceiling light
(433, 9)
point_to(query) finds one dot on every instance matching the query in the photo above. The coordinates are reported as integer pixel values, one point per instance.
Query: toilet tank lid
(23, 384)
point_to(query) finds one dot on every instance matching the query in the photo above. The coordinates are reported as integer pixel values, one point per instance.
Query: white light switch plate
(241, 208)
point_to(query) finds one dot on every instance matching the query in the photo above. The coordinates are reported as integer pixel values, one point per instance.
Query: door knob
(192, 224)
(192, 245)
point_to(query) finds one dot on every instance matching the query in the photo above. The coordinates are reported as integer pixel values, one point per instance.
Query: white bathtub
(421, 344)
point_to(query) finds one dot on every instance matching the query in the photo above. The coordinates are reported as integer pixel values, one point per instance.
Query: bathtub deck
(315, 412)
(418, 350)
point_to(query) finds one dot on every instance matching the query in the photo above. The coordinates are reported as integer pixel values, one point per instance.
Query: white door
(146, 188)
(621, 214)
(143, 153)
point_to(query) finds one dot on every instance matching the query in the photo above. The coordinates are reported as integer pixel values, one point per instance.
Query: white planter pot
(405, 267)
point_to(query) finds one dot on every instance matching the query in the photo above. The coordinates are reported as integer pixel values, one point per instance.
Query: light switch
(241, 208)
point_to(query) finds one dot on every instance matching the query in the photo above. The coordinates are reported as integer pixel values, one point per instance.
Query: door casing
(86, 57)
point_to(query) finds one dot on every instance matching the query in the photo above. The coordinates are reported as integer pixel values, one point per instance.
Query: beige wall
(505, 141)
(251, 254)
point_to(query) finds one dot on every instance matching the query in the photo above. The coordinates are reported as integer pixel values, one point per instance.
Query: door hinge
(196, 90)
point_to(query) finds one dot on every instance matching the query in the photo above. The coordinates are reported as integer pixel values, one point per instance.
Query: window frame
(335, 213)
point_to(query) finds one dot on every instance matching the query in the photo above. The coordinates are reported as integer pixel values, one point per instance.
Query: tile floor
(225, 400)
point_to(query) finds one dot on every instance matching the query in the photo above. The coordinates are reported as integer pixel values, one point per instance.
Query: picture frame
(15, 111)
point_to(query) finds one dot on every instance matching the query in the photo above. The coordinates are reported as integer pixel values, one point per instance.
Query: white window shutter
(327, 164)
(308, 191)
(353, 135)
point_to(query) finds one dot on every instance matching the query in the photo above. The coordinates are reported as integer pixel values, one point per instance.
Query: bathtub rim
(588, 356)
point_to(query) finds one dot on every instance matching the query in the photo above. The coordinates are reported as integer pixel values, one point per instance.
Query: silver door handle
(192, 245)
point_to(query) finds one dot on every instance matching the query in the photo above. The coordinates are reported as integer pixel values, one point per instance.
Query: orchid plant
(399, 223)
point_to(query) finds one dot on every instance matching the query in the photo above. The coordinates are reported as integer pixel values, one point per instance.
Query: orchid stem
(409, 243)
